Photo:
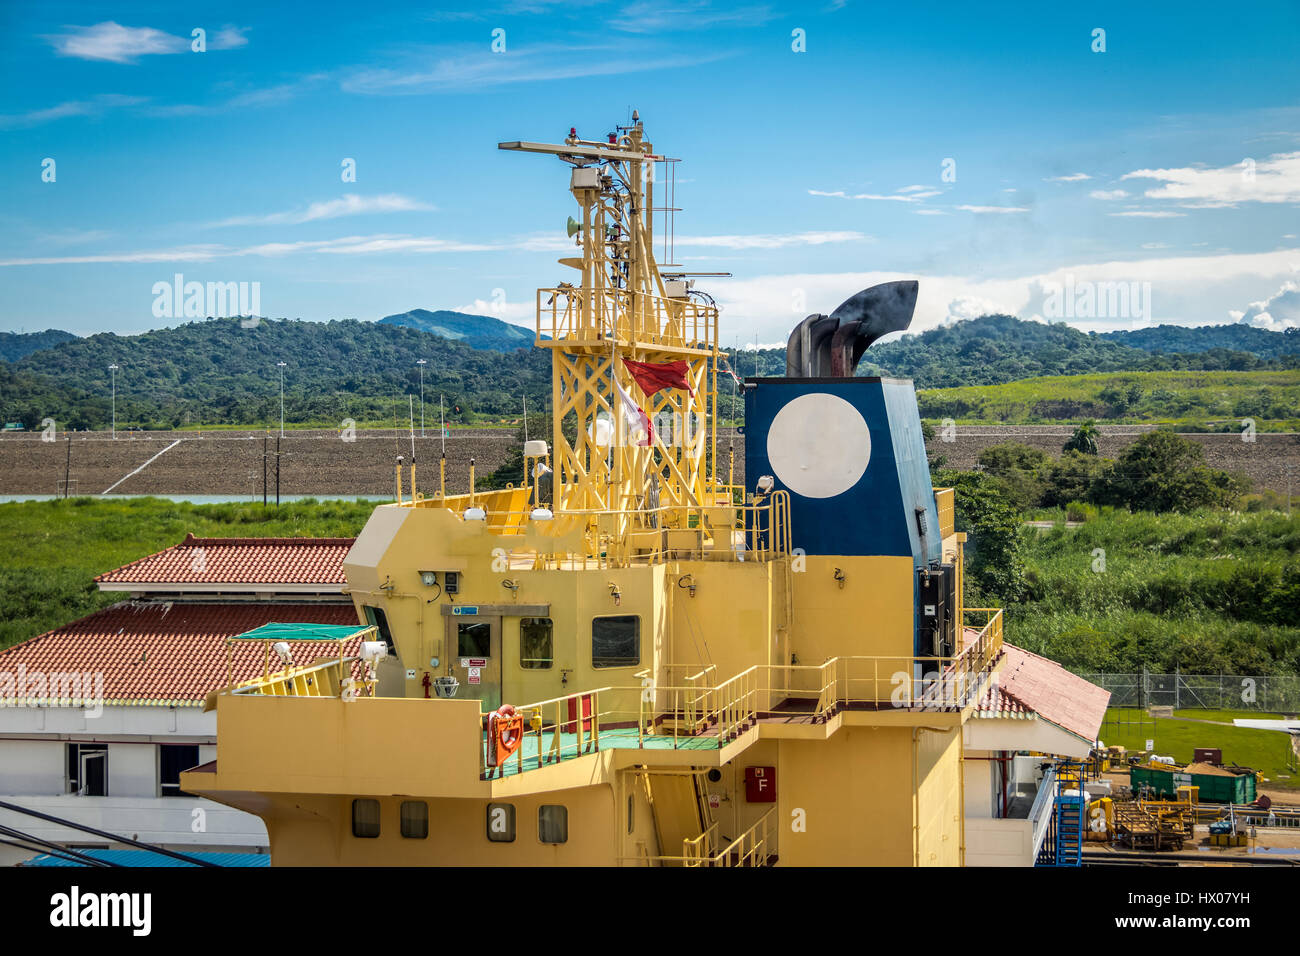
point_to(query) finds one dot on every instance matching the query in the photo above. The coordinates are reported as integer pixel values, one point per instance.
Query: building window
(474, 639)
(616, 641)
(536, 648)
(365, 818)
(88, 770)
(501, 822)
(173, 759)
(553, 823)
(415, 819)
(376, 617)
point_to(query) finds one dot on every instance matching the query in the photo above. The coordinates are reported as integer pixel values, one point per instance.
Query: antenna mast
(623, 308)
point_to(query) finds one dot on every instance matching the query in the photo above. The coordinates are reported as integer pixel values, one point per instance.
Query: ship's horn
(867, 316)
(573, 227)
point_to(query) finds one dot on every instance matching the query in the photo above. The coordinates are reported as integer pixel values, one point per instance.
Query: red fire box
(760, 784)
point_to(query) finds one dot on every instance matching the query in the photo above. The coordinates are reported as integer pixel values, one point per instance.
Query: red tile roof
(238, 561)
(1027, 684)
(172, 653)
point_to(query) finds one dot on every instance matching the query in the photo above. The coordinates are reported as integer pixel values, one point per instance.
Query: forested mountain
(1237, 338)
(476, 331)
(224, 371)
(16, 345)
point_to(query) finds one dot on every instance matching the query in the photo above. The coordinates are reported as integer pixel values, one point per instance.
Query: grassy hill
(1272, 398)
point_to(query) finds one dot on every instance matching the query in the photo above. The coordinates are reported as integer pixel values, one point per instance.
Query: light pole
(280, 365)
(421, 363)
(113, 370)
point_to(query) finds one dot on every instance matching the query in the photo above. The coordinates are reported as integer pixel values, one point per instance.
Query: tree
(1162, 471)
(994, 560)
(1084, 439)
(1020, 467)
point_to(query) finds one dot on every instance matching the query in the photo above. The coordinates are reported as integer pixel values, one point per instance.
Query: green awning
(301, 632)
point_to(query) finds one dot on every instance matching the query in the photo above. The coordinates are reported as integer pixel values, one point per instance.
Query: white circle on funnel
(819, 445)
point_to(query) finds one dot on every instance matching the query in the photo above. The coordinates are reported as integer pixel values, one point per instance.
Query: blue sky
(1170, 160)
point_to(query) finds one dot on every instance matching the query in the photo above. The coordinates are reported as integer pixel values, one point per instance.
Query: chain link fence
(1267, 694)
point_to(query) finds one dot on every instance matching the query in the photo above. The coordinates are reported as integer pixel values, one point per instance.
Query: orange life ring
(507, 732)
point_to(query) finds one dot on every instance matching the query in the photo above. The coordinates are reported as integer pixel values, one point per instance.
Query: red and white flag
(635, 421)
(652, 376)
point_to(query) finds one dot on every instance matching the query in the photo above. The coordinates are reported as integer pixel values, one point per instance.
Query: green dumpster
(1223, 786)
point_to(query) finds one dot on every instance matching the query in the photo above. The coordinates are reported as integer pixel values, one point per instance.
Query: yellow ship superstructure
(702, 673)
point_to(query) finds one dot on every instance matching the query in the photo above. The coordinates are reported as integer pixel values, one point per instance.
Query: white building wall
(32, 766)
(33, 774)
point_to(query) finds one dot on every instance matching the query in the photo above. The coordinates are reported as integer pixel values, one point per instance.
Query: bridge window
(376, 617)
(501, 822)
(553, 823)
(365, 818)
(616, 641)
(415, 819)
(536, 648)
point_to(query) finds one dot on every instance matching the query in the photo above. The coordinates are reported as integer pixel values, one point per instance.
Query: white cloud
(350, 205)
(391, 243)
(229, 38)
(770, 241)
(655, 16)
(92, 107)
(1278, 312)
(993, 209)
(1071, 178)
(906, 194)
(465, 67)
(1108, 194)
(929, 212)
(113, 43)
(1194, 290)
(1149, 214)
(1272, 180)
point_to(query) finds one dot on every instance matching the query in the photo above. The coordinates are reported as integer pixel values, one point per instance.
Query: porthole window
(501, 822)
(365, 818)
(553, 823)
(415, 819)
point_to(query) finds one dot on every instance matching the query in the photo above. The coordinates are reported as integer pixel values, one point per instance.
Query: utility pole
(280, 365)
(113, 370)
(67, 469)
(277, 471)
(265, 436)
(421, 363)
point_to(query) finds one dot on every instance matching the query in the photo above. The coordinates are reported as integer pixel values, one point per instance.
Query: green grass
(1189, 399)
(50, 550)
(1208, 592)
(1177, 737)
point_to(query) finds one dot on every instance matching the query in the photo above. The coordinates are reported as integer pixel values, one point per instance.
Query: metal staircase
(1064, 843)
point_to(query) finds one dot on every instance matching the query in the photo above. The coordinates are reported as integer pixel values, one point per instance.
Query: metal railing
(943, 503)
(719, 532)
(693, 710)
(755, 846)
(627, 316)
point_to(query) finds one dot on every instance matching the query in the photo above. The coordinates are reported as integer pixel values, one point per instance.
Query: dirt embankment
(322, 463)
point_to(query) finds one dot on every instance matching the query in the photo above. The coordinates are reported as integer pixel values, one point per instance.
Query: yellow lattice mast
(622, 308)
